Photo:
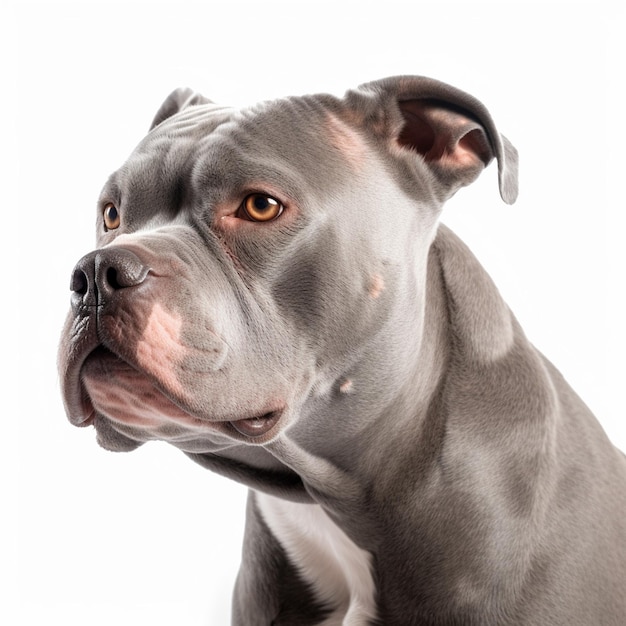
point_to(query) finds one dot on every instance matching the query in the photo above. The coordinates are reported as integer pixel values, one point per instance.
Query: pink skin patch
(347, 141)
(346, 386)
(376, 286)
(159, 350)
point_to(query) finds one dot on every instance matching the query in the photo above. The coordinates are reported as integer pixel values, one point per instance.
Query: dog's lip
(251, 428)
(78, 406)
(254, 427)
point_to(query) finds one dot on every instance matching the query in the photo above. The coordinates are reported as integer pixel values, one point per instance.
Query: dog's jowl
(272, 293)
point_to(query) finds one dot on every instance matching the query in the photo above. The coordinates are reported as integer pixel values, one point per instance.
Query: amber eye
(111, 216)
(261, 208)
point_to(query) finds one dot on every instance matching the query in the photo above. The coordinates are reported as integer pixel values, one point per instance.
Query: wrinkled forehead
(301, 144)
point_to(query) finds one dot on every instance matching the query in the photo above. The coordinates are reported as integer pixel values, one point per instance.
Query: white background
(149, 537)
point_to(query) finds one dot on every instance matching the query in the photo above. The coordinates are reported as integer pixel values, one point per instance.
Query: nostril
(117, 269)
(79, 283)
(112, 279)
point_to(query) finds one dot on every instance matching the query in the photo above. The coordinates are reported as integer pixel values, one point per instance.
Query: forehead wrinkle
(241, 156)
(224, 173)
(162, 158)
(194, 120)
(284, 140)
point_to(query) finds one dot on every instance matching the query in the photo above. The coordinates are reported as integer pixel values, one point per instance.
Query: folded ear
(178, 100)
(451, 130)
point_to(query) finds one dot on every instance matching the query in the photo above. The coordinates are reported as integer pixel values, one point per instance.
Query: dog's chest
(338, 571)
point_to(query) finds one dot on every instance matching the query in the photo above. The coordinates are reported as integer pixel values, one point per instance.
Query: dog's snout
(101, 273)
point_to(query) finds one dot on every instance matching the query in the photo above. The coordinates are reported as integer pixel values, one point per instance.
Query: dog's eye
(111, 216)
(261, 208)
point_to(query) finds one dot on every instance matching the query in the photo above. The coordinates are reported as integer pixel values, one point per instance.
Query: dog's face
(245, 258)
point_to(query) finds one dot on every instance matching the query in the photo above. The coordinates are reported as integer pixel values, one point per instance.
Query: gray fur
(407, 401)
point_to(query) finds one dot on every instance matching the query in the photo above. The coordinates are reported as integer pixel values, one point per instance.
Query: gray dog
(272, 293)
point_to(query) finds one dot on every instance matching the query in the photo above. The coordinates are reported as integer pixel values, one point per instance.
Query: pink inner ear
(476, 142)
(417, 133)
(443, 135)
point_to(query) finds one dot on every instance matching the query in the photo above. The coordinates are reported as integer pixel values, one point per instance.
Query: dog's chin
(111, 439)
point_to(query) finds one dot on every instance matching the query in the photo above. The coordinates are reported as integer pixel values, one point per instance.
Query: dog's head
(246, 259)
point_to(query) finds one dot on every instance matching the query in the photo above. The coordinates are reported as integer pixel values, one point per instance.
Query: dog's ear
(178, 100)
(451, 130)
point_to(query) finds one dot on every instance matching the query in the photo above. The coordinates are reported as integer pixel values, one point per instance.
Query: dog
(273, 293)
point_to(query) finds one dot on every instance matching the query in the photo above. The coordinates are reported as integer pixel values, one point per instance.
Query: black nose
(101, 273)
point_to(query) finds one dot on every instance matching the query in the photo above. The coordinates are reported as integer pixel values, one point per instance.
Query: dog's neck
(467, 331)
(460, 330)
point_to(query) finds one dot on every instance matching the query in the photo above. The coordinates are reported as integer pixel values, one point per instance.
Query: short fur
(350, 354)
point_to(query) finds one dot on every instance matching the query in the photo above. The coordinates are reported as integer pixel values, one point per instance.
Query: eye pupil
(261, 203)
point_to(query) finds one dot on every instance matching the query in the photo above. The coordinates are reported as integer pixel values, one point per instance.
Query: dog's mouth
(256, 426)
(104, 387)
